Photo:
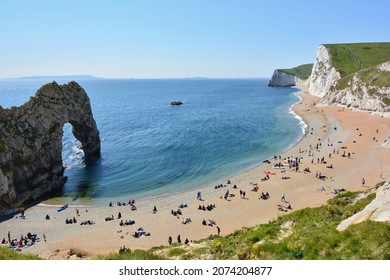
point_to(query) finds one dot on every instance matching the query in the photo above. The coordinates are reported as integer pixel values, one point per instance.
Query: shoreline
(104, 201)
(302, 190)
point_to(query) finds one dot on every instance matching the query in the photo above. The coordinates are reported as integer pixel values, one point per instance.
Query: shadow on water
(86, 178)
(82, 183)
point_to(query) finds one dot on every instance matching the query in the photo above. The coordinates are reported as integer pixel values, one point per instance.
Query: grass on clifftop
(369, 76)
(350, 58)
(302, 71)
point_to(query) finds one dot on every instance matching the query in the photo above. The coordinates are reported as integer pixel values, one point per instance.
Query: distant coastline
(61, 77)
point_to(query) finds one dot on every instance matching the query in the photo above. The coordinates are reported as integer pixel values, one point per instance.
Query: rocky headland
(31, 142)
(360, 82)
(355, 76)
(282, 79)
(290, 77)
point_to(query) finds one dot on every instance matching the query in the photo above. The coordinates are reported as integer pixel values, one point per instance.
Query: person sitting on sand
(154, 210)
(186, 221)
(47, 217)
(204, 222)
(4, 241)
(186, 241)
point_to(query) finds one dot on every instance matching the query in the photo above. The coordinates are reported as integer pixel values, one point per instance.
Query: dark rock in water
(176, 103)
(31, 142)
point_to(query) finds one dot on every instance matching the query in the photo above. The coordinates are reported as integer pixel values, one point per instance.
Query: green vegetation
(350, 58)
(132, 255)
(302, 71)
(9, 254)
(371, 79)
(386, 101)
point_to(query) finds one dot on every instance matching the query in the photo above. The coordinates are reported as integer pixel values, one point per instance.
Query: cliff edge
(290, 77)
(31, 142)
(353, 75)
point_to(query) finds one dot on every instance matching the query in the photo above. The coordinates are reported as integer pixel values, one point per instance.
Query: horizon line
(91, 77)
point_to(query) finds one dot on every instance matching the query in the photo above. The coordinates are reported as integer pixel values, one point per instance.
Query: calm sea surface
(151, 148)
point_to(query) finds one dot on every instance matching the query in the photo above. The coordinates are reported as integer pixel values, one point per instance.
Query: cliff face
(378, 210)
(282, 79)
(323, 75)
(360, 91)
(362, 94)
(31, 142)
(366, 89)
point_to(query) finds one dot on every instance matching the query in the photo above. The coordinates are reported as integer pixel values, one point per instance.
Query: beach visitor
(283, 198)
(363, 182)
(218, 230)
(199, 196)
(22, 214)
(170, 240)
(179, 238)
(154, 209)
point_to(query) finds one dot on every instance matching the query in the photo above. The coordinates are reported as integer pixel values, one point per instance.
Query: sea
(150, 148)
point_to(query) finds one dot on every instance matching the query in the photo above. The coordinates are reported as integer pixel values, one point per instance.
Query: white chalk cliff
(358, 91)
(282, 79)
(378, 210)
(323, 75)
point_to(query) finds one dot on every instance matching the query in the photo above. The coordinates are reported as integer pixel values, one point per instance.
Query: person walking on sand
(199, 195)
(170, 240)
(218, 230)
(363, 182)
(283, 198)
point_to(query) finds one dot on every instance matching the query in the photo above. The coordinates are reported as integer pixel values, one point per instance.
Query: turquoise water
(150, 148)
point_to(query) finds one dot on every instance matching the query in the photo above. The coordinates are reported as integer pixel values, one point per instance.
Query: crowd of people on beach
(22, 242)
(312, 158)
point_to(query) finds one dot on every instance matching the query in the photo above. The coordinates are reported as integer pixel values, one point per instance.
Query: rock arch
(31, 142)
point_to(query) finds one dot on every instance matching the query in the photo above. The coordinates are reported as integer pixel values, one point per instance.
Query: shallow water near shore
(150, 148)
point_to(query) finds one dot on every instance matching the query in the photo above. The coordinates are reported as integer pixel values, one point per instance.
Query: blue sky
(166, 39)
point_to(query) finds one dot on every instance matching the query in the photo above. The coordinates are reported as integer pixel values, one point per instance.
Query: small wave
(296, 116)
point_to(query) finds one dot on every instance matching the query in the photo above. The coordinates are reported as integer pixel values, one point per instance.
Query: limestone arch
(31, 142)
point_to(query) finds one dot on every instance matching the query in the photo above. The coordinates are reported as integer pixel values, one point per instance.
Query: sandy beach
(348, 141)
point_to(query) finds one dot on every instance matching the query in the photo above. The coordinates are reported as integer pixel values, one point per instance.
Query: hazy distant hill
(66, 77)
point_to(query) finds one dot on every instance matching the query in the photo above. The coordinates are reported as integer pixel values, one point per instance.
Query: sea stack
(176, 103)
(31, 142)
